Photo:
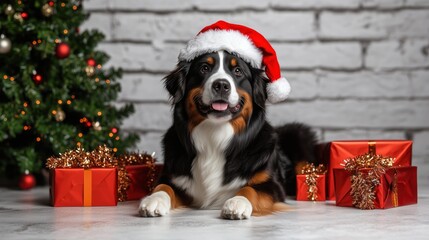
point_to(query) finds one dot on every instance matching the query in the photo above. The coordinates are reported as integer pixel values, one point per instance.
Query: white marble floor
(27, 215)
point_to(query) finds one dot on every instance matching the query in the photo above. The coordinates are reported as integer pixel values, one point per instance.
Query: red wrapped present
(332, 154)
(307, 192)
(142, 179)
(83, 187)
(397, 187)
(80, 178)
(310, 184)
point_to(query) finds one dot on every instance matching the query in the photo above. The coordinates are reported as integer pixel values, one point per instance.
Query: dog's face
(218, 86)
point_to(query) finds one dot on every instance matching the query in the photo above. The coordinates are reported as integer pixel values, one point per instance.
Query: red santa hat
(247, 44)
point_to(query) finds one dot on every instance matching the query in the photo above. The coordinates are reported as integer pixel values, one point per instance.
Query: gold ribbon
(87, 187)
(394, 190)
(312, 174)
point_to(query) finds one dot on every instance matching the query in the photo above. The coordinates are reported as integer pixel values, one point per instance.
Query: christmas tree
(55, 94)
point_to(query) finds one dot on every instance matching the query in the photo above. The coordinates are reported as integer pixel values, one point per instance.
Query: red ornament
(26, 181)
(24, 15)
(51, 3)
(114, 130)
(90, 62)
(62, 50)
(88, 124)
(37, 78)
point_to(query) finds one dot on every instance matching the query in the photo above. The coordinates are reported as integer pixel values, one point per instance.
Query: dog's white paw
(237, 208)
(155, 205)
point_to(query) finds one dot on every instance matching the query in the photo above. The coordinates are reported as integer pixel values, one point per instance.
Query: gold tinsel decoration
(103, 157)
(366, 171)
(312, 174)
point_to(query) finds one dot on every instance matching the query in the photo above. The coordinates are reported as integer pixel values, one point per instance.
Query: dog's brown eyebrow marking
(233, 62)
(210, 60)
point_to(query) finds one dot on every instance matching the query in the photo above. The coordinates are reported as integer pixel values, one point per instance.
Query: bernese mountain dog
(220, 152)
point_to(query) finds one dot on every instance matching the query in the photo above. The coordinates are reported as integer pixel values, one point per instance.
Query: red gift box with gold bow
(397, 187)
(72, 187)
(310, 184)
(332, 155)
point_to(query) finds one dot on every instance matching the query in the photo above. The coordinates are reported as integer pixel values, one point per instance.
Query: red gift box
(142, 179)
(334, 153)
(398, 187)
(302, 188)
(83, 187)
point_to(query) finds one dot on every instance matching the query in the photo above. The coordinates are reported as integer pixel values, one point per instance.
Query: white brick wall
(358, 68)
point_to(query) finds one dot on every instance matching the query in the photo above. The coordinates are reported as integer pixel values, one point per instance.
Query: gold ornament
(5, 44)
(18, 17)
(47, 10)
(9, 10)
(60, 116)
(90, 70)
(97, 126)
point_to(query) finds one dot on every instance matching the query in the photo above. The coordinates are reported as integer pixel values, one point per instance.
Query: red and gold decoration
(62, 50)
(332, 155)
(138, 173)
(311, 183)
(26, 181)
(131, 176)
(5, 44)
(92, 175)
(370, 181)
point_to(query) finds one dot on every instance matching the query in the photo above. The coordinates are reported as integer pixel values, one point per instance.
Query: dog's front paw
(237, 208)
(155, 205)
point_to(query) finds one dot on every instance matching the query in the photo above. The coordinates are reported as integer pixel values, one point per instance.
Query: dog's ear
(175, 81)
(259, 87)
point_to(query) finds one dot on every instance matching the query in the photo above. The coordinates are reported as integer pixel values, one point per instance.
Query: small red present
(83, 187)
(398, 187)
(332, 154)
(310, 184)
(307, 192)
(142, 179)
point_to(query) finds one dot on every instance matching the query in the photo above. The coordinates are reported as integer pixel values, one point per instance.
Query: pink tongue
(220, 106)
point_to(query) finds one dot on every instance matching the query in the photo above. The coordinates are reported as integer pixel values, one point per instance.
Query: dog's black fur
(258, 147)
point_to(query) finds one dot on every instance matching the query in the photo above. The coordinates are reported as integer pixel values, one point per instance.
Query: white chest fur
(210, 139)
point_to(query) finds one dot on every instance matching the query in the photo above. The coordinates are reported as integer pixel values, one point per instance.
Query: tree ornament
(26, 181)
(90, 70)
(62, 51)
(9, 10)
(114, 130)
(18, 17)
(60, 115)
(97, 126)
(37, 78)
(90, 62)
(5, 44)
(47, 10)
(51, 3)
(24, 15)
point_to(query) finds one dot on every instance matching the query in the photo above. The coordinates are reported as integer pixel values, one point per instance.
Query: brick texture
(358, 68)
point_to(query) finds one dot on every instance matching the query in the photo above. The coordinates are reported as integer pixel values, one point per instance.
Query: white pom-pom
(278, 90)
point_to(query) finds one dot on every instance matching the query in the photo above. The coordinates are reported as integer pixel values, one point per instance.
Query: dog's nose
(221, 86)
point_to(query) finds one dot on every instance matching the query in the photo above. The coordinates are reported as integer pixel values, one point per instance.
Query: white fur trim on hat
(278, 90)
(228, 40)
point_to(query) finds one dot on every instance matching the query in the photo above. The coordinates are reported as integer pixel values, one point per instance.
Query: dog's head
(218, 86)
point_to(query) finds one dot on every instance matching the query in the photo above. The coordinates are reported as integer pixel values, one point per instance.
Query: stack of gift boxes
(363, 174)
(98, 178)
